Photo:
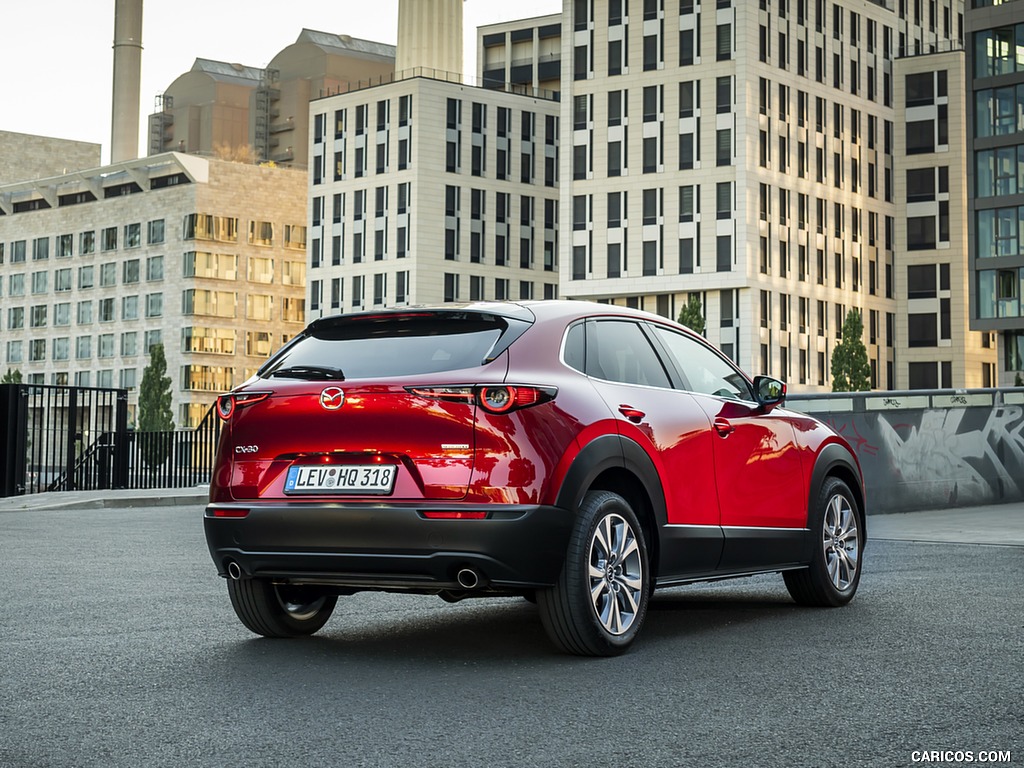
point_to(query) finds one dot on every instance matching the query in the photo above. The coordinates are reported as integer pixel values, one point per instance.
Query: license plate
(375, 479)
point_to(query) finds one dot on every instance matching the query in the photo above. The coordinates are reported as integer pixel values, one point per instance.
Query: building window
(40, 249)
(38, 314)
(155, 268)
(129, 307)
(723, 42)
(132, 235)
(64, 246)
(1000, 171)
(996, 51)
(724, 253)
(154, 305)
(155, 232)
(723, 147)
(451, 287)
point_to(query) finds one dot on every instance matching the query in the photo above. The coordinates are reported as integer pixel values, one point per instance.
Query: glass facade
(997, 58)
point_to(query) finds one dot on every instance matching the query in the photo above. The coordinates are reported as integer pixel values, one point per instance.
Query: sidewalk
(991, 524)
(997, 524)
(150, 497)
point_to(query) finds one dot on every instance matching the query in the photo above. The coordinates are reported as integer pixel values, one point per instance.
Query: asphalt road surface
(118, 647)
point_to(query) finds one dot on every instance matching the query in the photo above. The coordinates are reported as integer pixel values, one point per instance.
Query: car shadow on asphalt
(497, 631)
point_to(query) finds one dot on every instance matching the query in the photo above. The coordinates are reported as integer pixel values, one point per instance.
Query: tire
(836, 525)
(275, 610)
(599, 602)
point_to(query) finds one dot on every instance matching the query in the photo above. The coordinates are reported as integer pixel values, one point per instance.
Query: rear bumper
(391, 546)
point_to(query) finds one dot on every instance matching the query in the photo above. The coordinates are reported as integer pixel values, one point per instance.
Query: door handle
(631, 413)
(724, 427)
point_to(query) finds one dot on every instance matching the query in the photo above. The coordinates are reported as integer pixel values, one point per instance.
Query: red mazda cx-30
(581, 455)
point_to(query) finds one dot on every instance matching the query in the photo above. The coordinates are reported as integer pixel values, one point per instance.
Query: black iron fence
(77, 438)
(173, 459)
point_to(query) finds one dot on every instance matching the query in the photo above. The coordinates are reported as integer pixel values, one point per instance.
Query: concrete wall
(930, 449)
(24, 156)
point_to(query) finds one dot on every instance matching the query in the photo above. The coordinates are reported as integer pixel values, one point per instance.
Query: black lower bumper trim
(391, 546)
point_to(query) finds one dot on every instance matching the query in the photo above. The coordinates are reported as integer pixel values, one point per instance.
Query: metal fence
(77, 438)
(173, 459)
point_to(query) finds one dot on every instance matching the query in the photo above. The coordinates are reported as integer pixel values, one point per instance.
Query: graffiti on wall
(938, 457)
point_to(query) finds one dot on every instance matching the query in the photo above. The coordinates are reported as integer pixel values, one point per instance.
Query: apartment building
(424, 190)
(205, 257)
(995, 177)
(523, 55)
(742, 152)
(936, 346)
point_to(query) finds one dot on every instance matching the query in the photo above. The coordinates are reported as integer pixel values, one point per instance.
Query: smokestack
(124, 121)
(430, 35)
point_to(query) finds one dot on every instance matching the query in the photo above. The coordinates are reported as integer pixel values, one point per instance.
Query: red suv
(580, 455)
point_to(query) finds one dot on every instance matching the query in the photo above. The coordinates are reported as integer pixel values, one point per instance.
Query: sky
(60, 59)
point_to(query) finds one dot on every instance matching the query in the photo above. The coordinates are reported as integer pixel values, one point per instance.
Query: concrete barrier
(930, 449)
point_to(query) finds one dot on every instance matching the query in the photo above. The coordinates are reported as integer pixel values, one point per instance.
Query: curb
(116, 502)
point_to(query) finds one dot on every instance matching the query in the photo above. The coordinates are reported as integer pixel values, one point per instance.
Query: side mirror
(770, 392)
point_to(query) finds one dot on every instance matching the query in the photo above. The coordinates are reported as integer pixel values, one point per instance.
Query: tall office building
(995, 177)
(205, 257)
(742, 152)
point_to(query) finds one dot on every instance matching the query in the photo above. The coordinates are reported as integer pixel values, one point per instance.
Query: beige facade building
(425, 191)
(523, 55)
(205, 257)
(936, 346)
(25, 156)
(263, 113)
(742, 152)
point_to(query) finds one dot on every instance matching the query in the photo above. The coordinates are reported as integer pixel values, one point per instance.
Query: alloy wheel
(616, 574)
(841, 542)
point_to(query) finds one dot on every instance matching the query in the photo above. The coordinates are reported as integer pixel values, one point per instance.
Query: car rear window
(398, 345)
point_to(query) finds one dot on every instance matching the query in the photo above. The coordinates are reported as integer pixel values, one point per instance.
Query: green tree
(850, 369)
(11, 377)
(1018, 381)
(692, 314)
(155, 414)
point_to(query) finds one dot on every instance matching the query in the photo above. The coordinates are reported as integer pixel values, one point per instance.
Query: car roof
(546, 309)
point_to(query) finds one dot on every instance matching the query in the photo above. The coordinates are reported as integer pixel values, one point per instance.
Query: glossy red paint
(720, 462)
(527, 430)
(675, 434)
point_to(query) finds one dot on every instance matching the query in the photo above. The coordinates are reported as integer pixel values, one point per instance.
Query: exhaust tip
(468, 578)
(234, 570)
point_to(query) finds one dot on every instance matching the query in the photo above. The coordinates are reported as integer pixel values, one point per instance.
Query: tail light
(231, 513)
(455, 515)
(504, 399)
(227, 404)
(493, 398)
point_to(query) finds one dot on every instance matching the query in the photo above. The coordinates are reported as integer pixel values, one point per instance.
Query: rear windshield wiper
(312, 372)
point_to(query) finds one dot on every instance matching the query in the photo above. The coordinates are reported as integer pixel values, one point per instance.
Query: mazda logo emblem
(332, 398)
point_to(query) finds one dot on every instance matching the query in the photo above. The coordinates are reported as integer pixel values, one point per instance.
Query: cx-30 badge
(332, 398)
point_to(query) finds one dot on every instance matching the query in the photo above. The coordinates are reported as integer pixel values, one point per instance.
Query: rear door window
(618, 350)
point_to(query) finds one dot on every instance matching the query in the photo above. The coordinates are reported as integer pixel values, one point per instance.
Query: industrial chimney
(124, 122)
(430, 36)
